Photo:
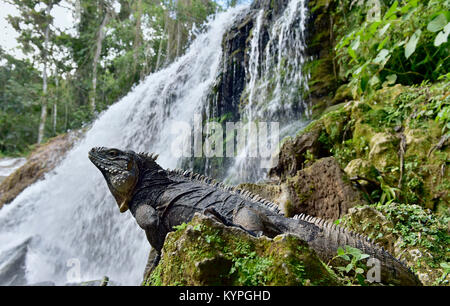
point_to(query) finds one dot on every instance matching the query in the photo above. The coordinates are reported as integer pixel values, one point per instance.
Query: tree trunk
(100, 38)
(55, 105)
(138, 34)
(158, 60)
(44, 77)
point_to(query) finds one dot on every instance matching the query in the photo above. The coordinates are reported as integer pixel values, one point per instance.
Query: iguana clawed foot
(214, 214)
(153, 260)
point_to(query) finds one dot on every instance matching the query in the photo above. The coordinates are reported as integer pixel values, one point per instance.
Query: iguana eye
(113, 153)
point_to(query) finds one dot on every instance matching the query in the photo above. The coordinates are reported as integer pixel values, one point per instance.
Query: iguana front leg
(212, 213)
(148, 219)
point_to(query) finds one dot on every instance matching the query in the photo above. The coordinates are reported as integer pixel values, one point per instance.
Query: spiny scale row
(152, 156)
(327, 224)
(324, 223)
(212, 182)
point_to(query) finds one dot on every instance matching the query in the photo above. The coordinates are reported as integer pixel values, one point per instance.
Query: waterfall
(70, 216)
(276, 85)
(69, 222)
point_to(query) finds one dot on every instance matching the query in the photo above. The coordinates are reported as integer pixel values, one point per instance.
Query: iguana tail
(325, 238)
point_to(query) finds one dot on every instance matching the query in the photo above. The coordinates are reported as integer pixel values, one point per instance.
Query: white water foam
(71, 215)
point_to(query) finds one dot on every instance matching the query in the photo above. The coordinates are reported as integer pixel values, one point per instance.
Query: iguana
(161, 199)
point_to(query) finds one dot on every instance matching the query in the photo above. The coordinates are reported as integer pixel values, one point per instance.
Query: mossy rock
(409, 232)
(205, 252)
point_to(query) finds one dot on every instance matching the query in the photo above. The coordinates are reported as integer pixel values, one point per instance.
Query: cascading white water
(275, 86)
(70, 215)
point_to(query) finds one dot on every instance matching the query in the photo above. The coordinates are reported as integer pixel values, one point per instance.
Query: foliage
(394, 42)
(355, 267)
(252, 269)
(140, 37)
(418, 227)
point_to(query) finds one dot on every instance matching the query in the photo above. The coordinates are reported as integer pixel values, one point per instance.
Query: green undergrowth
(390, 42)
(410, 232)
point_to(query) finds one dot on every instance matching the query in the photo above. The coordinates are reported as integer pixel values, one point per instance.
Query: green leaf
(382, 57)
(445, 266)
(381, 45)
(384, 29)
(391, 10)
(364, 256)
(359, 271)
(374, 80)
(352, 53)
(344, 256)
(442, 36)
(340, 251)
(390, 80)
(408, 6)
(412, 43)
(353, 251)
(437, 23)
(349, 267)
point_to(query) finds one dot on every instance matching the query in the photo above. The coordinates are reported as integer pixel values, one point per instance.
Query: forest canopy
(68, 76)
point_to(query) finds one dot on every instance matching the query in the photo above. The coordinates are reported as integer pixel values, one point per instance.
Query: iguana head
(121, 172)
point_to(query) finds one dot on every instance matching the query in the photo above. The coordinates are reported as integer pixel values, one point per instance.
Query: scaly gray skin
(160, 200)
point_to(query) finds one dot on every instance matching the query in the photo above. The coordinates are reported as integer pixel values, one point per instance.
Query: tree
(34, 28)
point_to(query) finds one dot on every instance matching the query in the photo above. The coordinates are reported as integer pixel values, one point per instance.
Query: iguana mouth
(120, 171)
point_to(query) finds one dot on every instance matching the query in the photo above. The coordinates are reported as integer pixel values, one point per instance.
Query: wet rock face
(42, 160)
(205, 252)
(230, 84)
(226, 97)
(12, 268)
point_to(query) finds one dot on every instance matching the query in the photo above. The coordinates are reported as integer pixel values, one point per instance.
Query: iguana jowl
(160, 199)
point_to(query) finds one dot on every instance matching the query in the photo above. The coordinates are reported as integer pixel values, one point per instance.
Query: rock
(94, 283)
(321, 190)
(9, 165)
(42, 160)
(372, 223)
(205, 252)
(361, 168)
(12, 268)
(383, 151)
(291, 158)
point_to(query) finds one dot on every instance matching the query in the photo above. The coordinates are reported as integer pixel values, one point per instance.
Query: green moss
(207, 253)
